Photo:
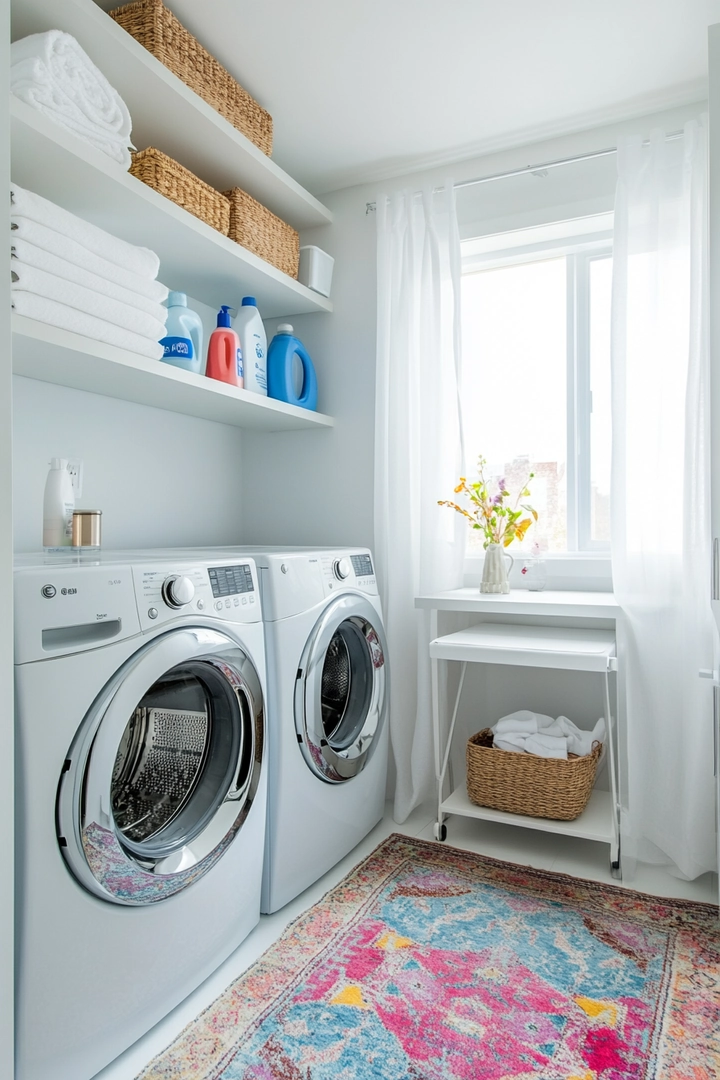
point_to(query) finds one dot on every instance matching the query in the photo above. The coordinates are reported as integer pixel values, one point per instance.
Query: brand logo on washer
(48, 591)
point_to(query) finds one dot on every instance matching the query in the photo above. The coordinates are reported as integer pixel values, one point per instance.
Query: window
(536, 374)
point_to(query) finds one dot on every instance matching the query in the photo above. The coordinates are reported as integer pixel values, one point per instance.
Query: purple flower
(501, 484)
(496, 500)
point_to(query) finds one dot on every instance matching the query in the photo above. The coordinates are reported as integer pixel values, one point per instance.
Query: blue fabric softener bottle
(183, 341)
(290, 372)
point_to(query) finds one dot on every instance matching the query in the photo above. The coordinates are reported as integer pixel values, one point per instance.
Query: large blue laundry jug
(290, 372)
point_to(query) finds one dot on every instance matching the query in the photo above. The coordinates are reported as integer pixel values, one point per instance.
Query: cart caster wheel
(440, 831)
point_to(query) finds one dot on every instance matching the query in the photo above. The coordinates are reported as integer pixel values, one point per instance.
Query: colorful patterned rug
(430, 963)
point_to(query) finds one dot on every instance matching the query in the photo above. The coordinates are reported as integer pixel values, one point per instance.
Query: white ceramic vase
(495, 570)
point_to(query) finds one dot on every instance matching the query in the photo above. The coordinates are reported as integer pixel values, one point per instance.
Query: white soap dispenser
(58, 506)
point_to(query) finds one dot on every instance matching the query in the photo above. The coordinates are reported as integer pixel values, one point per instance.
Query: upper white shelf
(56, 356)
(194, 258)
(168, 114)
(597, 605)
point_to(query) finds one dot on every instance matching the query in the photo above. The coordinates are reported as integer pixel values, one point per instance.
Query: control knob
(178, 591)
(342, 568)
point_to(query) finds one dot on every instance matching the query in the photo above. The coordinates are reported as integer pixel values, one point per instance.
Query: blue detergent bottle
(290, 372)
(183, 342)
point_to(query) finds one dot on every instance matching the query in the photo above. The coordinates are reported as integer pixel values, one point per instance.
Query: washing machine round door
(164, 768)
(341, 691)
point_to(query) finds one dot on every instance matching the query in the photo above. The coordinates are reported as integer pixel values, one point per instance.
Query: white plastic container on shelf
(58, 506)
(316, 269)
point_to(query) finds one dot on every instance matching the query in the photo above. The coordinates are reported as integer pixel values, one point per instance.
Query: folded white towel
(32, 242)
(27, 255)
(27, 204)
(546, 746)
(55, 314)
(54, 75)
(29, 279)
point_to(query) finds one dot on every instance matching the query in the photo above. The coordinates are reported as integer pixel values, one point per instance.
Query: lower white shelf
(57, 356)
(595, 822)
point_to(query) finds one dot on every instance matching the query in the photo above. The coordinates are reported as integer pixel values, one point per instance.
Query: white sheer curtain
(661, 495)
(418, 456)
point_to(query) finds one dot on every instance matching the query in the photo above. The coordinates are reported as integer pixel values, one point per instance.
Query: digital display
(362, 565)
(230, 580)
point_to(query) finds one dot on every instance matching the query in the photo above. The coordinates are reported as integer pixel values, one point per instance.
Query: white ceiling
(360, 91)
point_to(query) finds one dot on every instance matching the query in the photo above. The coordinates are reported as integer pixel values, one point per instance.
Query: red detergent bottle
(224, 358)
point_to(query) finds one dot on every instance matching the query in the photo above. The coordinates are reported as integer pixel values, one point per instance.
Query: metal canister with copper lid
(86, 528)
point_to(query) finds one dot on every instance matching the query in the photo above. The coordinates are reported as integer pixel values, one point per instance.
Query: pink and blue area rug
(430, 963)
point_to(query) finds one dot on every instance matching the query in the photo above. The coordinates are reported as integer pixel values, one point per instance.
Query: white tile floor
(544, 851)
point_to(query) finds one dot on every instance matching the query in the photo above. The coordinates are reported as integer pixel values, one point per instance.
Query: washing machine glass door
(164, 768)
(341, 690)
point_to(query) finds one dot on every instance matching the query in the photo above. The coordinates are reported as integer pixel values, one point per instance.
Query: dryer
(328, 696)
(140, 690)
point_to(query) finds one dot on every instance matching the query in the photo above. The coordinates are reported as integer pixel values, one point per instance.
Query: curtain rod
(538, 169)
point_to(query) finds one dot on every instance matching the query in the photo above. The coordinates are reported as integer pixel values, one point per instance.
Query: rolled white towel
(26, 255)
(547, 746)
(55, 314)
(53, 74)
(27, 204)
(40, 283)
(36, 244)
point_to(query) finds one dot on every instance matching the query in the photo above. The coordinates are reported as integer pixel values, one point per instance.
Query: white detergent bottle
(58, 506)
(253, 342)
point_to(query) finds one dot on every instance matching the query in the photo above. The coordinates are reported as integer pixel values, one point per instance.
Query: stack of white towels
(71, 274)
(53, 74)
(525, 732)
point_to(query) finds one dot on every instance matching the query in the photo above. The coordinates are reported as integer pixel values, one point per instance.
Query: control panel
(349, 570)
(224, 590)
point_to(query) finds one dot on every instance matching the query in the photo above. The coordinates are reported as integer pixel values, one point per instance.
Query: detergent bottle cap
(176, 299)
(284, 328)
(249, 301)
(223, 318)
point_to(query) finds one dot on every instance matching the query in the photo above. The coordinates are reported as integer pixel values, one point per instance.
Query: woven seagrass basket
(526, 784)
(171, 179)
(260, 231)
(157, 30)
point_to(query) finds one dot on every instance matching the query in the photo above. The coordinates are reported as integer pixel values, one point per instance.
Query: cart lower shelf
(595, 822)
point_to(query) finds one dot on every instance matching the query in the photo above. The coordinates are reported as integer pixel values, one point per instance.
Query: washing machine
(140, 690)
(328, 696)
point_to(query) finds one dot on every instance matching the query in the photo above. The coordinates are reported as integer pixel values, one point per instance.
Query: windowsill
(578, 571)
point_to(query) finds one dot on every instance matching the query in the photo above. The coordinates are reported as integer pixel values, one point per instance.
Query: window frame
(580, 242)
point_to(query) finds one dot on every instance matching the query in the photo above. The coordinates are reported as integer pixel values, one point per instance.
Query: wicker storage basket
(157, 29)
(260, 231)
(175, 182)
(526, 784)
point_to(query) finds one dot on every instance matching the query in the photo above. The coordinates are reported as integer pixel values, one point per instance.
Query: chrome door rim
(97, 852)
(336, 764)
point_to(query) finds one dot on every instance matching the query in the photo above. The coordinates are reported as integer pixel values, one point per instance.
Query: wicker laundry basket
(171, 179)
(260, 231)
(157, 29)
(526, 784)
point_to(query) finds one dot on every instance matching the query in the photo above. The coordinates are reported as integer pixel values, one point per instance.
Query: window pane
(515, 387)
(600, 423)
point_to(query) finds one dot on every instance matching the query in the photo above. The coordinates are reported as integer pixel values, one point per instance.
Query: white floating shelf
(595, 822)
(194, 258)
(56, 356)
(168, 114)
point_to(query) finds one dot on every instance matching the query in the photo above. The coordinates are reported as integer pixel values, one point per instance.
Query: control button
(178, 591)
(227, 603)
(342, 568)
(48, 591)
(218, 605)
(200, 605)
(152, 613)
(284, 568)
(236, 602)
(244, 600)
(252, 600)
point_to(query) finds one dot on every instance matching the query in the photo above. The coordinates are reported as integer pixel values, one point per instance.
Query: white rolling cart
(560, 648)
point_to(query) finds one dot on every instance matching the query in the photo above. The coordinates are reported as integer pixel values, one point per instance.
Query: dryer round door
(341, 689)
(163, 769)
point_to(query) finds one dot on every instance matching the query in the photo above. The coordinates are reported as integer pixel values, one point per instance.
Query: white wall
(7, 724)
